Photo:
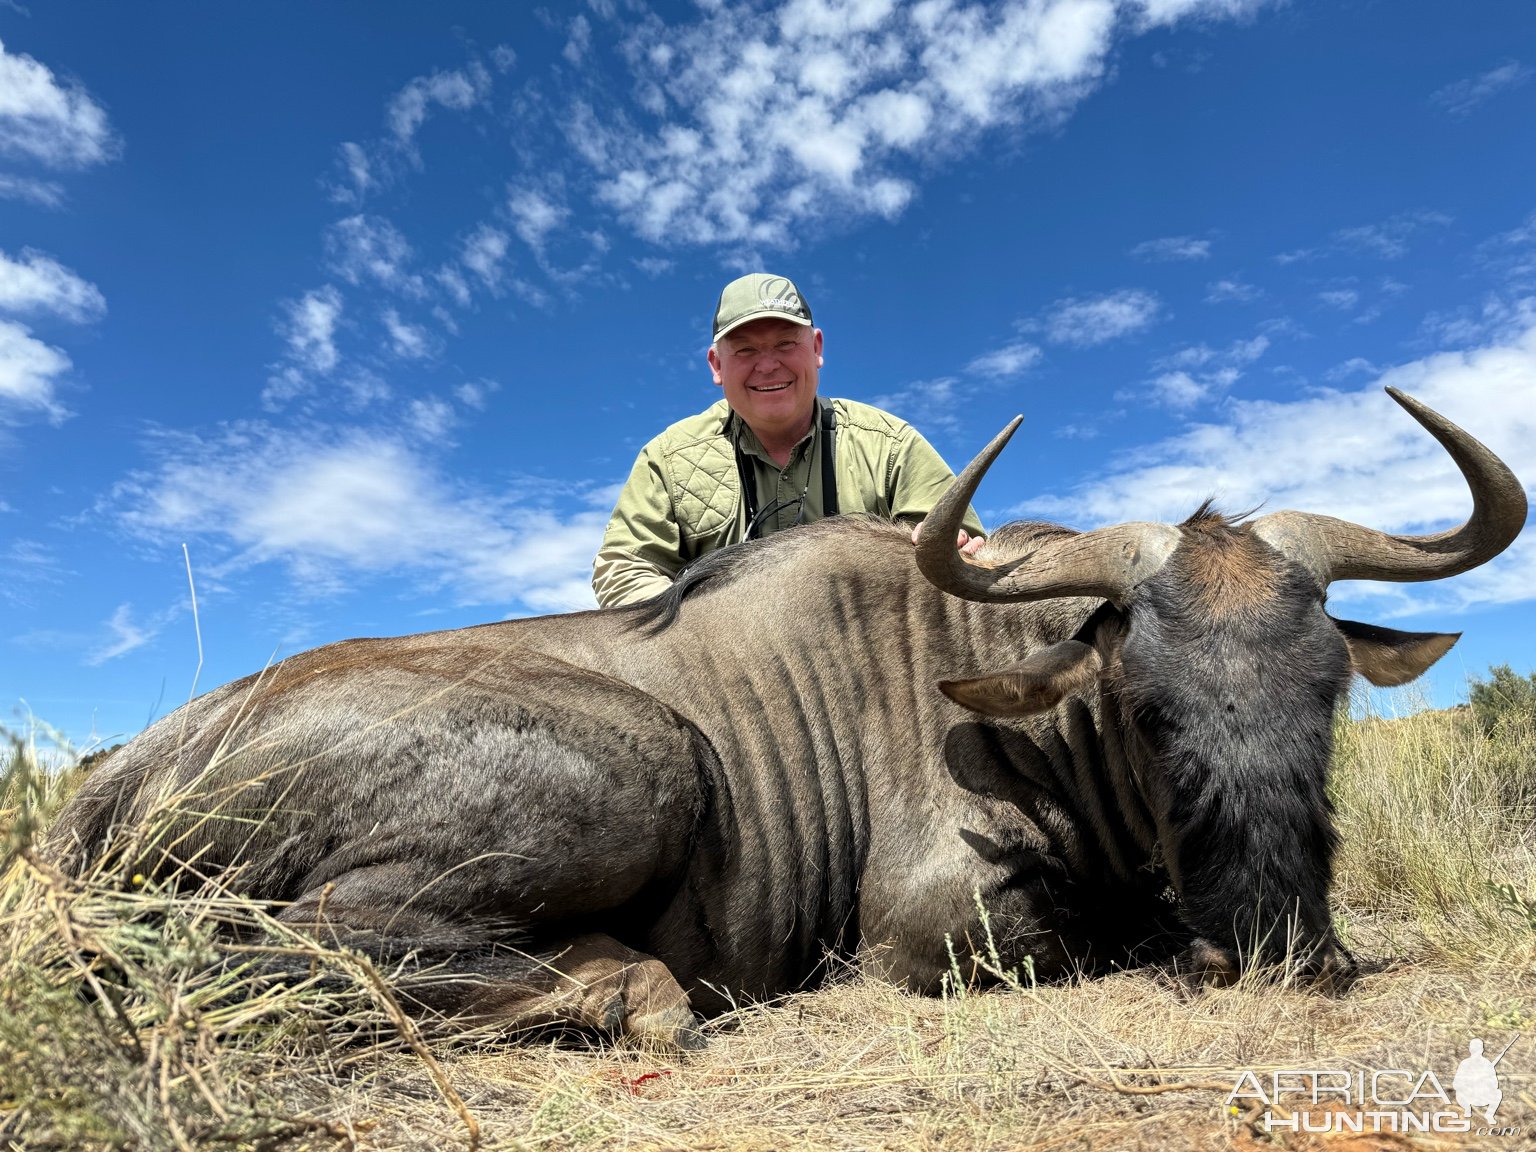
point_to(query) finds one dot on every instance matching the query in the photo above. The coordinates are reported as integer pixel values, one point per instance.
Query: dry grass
(129, 1019)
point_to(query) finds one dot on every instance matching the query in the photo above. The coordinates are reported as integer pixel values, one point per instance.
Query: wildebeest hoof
(691, 1038)
(1206, 964)
(675, 1028)
(1335, 972)
(612, 1021)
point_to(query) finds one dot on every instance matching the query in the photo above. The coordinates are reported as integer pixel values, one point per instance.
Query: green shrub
(1505, 700)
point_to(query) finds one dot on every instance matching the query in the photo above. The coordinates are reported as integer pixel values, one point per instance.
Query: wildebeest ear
(1387, 657)
(1036, 685)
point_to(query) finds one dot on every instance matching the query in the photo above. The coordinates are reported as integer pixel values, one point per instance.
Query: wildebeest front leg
(593, 982)
(475, 973)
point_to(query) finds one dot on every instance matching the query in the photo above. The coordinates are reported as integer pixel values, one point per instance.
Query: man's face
(769, 369)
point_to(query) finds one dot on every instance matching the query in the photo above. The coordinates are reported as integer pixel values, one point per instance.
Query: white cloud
(355, 164)
(311, 329)
(534, 216)
(1156, 12)
(474, 395)
(409, 341)
(932, 405)
(28, 371)
(38, 283)
(124, 637)
(580, 40)
(1199, 373)
(47, 193)
(1354, 366)
(1180, 389)
(333, 506)
(1224, 291)
(457, 90)
(370, 248)
(432, 418)
(363, 169)
(364, 389)
(453, 282)
(1203, 355)
(1355, 455)
(56, 124)
(1343, 299)
(1461, 97)
(1297, 255)
(28, 564)
(484, 251)
(1511, 256)
(814, 110)
(1003, 363)
(1389, 239)
(1496, 319)
(1099, 319)
(1079, 431)
(1173, 248)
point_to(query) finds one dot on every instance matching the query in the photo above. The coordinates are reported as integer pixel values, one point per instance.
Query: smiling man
(767, 456)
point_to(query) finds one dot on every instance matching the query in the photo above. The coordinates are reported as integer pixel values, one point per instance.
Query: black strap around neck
(828, 460)
(748, 478)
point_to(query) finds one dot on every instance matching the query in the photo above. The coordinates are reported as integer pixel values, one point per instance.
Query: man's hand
(965, 541)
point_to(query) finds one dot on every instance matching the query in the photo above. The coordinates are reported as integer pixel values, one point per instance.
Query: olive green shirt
(683, 497)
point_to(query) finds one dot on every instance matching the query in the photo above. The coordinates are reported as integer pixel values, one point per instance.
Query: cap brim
(774, 313)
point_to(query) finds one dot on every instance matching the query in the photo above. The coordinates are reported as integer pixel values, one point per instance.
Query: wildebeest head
(1218, 667)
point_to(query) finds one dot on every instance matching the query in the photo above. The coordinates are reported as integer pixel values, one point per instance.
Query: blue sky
(371, 306)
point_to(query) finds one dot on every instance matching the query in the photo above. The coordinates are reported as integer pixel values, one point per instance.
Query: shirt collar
(742, 438)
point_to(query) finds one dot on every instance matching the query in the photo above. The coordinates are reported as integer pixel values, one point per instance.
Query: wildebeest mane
(1208, 517)
(658, 613)
(724, 565)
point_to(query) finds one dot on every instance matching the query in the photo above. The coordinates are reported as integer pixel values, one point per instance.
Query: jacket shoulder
(700, 467)
(691, 431)
(868, 418)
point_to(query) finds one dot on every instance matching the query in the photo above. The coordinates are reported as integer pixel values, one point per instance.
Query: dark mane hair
(724, 565)
(658, 613)
(1208, 516)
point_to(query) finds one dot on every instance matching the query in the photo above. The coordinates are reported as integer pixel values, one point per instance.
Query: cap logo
(778, 293)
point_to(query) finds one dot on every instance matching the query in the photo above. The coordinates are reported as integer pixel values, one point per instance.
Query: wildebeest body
(758, 769)
(735, 817)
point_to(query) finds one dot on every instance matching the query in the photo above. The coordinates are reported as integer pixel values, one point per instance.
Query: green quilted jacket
(683, 497)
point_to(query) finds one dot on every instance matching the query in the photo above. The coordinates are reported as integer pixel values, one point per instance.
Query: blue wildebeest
(817, 744)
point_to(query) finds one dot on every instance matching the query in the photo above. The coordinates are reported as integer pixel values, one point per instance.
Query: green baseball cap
(757, 295)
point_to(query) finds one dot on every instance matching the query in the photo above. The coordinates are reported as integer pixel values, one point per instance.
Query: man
(766, 457)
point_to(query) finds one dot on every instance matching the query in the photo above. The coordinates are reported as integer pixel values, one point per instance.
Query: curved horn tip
(1428, 419)
(1002, 438)
(1415, 407)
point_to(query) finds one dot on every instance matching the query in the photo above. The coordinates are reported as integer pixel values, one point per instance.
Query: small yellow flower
(138, 879)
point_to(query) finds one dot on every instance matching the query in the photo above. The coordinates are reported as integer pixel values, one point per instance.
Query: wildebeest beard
(673, 807)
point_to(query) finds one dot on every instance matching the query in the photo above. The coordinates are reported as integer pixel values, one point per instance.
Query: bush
(1504, 701)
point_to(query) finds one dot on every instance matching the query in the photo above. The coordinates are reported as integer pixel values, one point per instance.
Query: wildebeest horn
(1338, 550)
(1107, 563)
